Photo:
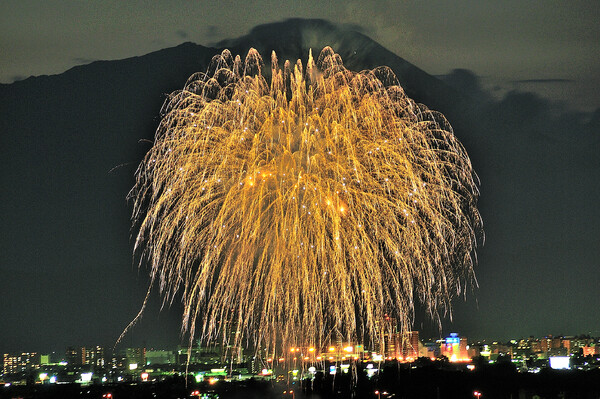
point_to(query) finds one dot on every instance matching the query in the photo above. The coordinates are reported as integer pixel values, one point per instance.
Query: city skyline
(404, 347)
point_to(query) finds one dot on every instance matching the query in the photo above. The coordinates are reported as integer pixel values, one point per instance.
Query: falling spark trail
(303, 210)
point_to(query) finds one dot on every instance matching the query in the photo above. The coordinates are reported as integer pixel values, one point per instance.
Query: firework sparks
(303, 210)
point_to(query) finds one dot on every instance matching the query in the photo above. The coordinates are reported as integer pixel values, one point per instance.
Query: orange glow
(356, 141)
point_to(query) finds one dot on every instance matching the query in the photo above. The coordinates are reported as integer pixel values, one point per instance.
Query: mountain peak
(293, 38)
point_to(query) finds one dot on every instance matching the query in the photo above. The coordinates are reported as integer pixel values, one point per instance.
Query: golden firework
(301, 211)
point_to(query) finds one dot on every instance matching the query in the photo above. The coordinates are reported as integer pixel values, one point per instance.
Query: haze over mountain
(71, 143)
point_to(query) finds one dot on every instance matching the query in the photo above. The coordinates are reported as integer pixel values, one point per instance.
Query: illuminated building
(560, 362)
(44, 360)
(388, 345)
(93, 356)
(390, 340)
(73, 356)
(232, 345)
(550, 345)
(20, 363)
(536, 347)
(339, 351)
(160, 357)
(566, 343)
(431, 349)
(473, 351)
(522, 350)
(589, 350)
(136, 356)
(212, 354)
(455, 348)
(410, 345)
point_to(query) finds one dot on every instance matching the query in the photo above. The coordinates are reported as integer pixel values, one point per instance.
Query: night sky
(529, 68)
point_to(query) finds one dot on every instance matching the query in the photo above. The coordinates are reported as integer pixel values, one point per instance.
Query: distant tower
(73, 356)
(388, 345)
(136, 356)
(410, 345)
(451, 347)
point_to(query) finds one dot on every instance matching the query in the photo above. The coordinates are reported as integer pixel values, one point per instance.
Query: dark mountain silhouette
(70, 146)
(293, 38)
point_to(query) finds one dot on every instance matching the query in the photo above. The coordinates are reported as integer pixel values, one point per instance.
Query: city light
(560, 362)
(529, 355)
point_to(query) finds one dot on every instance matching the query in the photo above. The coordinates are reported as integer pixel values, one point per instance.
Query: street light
(477, 394)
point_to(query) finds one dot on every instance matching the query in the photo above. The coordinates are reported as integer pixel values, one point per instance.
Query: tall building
(160, 357)
(390, 345)
(431, 349)
(20, 363)
(93, 356)
(136, 356)
(232, 345)
(410, 345)
(589, 350)
(522, 350)
(550, 343)
(455, 348)
(73, 356)
(387, 342)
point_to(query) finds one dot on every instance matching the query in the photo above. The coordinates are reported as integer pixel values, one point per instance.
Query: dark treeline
(433, 380)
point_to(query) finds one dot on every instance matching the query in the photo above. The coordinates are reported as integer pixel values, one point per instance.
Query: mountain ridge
(291, 39)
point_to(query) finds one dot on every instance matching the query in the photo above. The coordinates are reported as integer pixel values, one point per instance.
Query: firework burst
(302, 207)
